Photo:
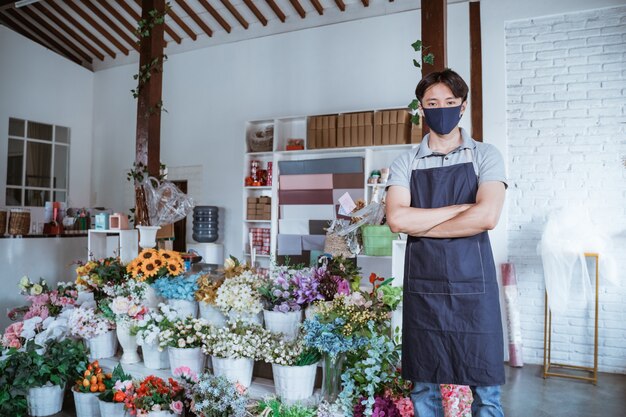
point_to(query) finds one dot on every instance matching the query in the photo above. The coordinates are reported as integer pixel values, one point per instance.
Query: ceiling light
(23, 3)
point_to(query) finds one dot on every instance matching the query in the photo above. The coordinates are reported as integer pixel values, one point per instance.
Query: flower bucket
(128, 343)
(45, 401)
(102, 346)
(294, 383)
(212, 315)
(112, 409)
(193, 358)
(147, 236)
(153, 358)
(151, 299)
(286, 323)
(236, 370)
(86, 404)
(396, 324)
(246, 318)
(161, 413)
(184, 308)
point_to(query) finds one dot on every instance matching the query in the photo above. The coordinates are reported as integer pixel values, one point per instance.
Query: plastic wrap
(166, 203)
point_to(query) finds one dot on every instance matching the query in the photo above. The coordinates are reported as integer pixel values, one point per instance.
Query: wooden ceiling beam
(296, 5)
(178, 21)
(318, 7)
(30, 12)
(61, 11)
(341, 5)
(118, 16)
(223, 23)
(476, 71)
(71, 32)
(132, 13)
(243, 22)
(366, 3)
(191, 13)
(54, 45)
(256, 12)
(133, 43)
(277, 11)
(96, 26)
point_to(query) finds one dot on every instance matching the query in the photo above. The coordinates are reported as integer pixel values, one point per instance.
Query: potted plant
(206, 295)
(216, 396)
(87, 388)
(294, 367)
(97, 330)
(179, 292)
(234, 348)
(282, 313)
(119, 390)
(183, 339)
(239, 299)
(155, 397)
(152, 264)
(148, 331)
(92, 276)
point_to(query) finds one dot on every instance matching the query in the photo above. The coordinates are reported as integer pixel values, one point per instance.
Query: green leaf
(415, 119)
(417, 45)
(417, 64)
(413, 105)
(429, 59)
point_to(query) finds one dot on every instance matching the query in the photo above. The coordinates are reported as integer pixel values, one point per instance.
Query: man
(446, 195)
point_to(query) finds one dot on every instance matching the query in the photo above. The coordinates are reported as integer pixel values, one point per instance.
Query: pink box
(306, 182)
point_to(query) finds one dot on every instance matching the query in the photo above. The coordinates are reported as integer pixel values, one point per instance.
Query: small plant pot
(102, 346)
(285, 323)
(153, 358)
(112, 409)
(184, 308)
(294, 383)
(45, 401)
(193, 358)
(236, 370)
(86, 403)
(212, 315)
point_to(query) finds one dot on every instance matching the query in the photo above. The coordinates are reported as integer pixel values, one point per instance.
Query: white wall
(39, 85)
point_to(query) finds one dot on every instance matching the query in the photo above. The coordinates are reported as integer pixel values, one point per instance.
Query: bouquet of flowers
(289, 352)
(178, 288)
(92, 276)
(233, 267)
(45, 301)
(149, 328)
(237, 340)
(339, 266)
(306, 282)
(207, 289)
(118, 386)
(38, 330)
(152, 264)
(92, 379)
(240, 294)
(87, 323)
(124, 302)
(155, 394)
(279, 293)
(330, 285)
(183, 333)
(216, 396)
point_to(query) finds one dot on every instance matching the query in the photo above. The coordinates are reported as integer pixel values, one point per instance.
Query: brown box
(265, 199)
(165, 232)
(385, 134)
(404, 116)
(325, 132)
(340, 140)
(319, 143)
(332, 131)
(416, 132)
(347, 130)
(378, 129)
(267, 209)
(252, 200)
(310, 132)
(404, 133)
(393, 117)
(385, 117)
(354, 130)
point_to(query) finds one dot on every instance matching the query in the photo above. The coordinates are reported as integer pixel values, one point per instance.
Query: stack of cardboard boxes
(322, 132)
(261, 240)
(392, 127)
(259, 208)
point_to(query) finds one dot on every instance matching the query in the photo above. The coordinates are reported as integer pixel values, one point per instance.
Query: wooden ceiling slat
(296, 5)
(178, 21)
(128, 8)
(55, 46)
(223, 23)
(256, 12)
(118, 16)
(235, 13)
(366, 3)
(82, 28)
(318, 6)
(54, 32)
(133, 43)
(191, 13)
(96, 26)
(55, 19)
(277, 11)
(341, 5)
(6, 21)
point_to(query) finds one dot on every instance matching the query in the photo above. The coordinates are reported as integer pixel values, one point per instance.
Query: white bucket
(112, 409)
(193, 358)
(396, 324)
(128, 343)
(236, 370)
(184, 308)
(86, 404)
(212, 315)
(102, 346)
(161, 413)
(153, 358)
(285, 323)
(45, 401)
(294, 383)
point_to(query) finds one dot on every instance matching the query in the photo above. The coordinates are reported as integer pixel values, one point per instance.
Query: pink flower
(185, 372)
(177, 407)
(343, 287)
(240, 388)
(15, 343)
(405, 407)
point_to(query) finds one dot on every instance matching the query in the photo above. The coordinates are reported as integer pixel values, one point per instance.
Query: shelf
(257, 221)
(268, 153)
(262, 187)
(258, 256)
(349, 149)
(373, 257)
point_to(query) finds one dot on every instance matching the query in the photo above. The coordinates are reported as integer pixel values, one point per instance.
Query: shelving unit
(126, 247)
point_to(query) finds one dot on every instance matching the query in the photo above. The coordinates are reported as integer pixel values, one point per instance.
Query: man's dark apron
(452, 331)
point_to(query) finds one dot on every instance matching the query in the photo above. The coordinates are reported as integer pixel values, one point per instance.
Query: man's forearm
(417, 221)
(468, 223)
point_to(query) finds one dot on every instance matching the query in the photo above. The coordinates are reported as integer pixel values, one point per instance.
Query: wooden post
(476, 71)
(434, 37)
(149, 101)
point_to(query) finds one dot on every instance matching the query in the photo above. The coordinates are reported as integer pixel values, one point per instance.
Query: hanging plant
(426, 59)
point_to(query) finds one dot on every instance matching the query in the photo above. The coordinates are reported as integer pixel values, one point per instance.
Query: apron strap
(469, 157)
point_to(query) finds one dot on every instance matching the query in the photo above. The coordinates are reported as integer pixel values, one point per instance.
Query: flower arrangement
(87, 323)
(307, 287)
(184, 333)
(93, 275)
(343, 268)
(240, 294)
(216, 396)
(35, 329)
(289, 352)
(124, 302)
(178, 288)
(207, 289)
(272, 407)
(278, 293)
(330, 285)
(457, 400)
(149, 328)
(233, 267)
(155, 394)
(118, 387)
(92, 379)
(45, 302)
(237, 340)
(152, 264)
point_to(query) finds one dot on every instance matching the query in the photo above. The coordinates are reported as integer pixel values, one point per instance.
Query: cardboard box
(361, 118)
(378, 129)
(325, 132)
(369, 129)
(252, 200)
(332, 131)
(166, 232)
(404, 116)
(416, 132)
(265, 199)
(393, 134)
(340, 140)
(385, 134)
(319, 143)
(310, 133)
(354, 130)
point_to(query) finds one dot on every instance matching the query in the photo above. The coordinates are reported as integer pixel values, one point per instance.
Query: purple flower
(343, 287)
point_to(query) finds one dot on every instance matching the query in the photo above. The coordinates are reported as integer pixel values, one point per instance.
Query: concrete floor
(527, 394)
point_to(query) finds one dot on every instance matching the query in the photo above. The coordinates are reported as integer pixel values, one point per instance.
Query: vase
(45, 401)
(128, 343)
(293, 383)
(193, 358)
(212, 314)
(147, 236)
(396, 324)
(151, 299)
(184, 308)
(236, 370)
(331, 380)
(153, 358)
(86, 404)
(112, 409)
(286, 323)
(246, 317)
(102, 346)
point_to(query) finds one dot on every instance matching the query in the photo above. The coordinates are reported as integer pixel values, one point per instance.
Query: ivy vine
(426, 59)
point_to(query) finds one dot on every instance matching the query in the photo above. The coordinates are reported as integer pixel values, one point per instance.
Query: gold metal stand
(547, 342)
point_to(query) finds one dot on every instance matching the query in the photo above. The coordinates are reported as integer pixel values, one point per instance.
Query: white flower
(24, 282)
(133, 310)
(181, 343)
(36, 289)
(229, 263)
(120, 305)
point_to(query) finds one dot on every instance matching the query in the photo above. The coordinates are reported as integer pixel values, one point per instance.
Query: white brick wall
(566, 100)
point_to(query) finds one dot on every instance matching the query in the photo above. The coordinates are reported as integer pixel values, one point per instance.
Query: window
(37, 163)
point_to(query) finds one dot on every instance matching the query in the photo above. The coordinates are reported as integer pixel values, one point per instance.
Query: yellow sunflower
(149, 269)
(174, 268)
(148, 255)
(158, 262)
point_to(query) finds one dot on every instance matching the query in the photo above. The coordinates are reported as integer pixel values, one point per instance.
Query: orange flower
(119, 397)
